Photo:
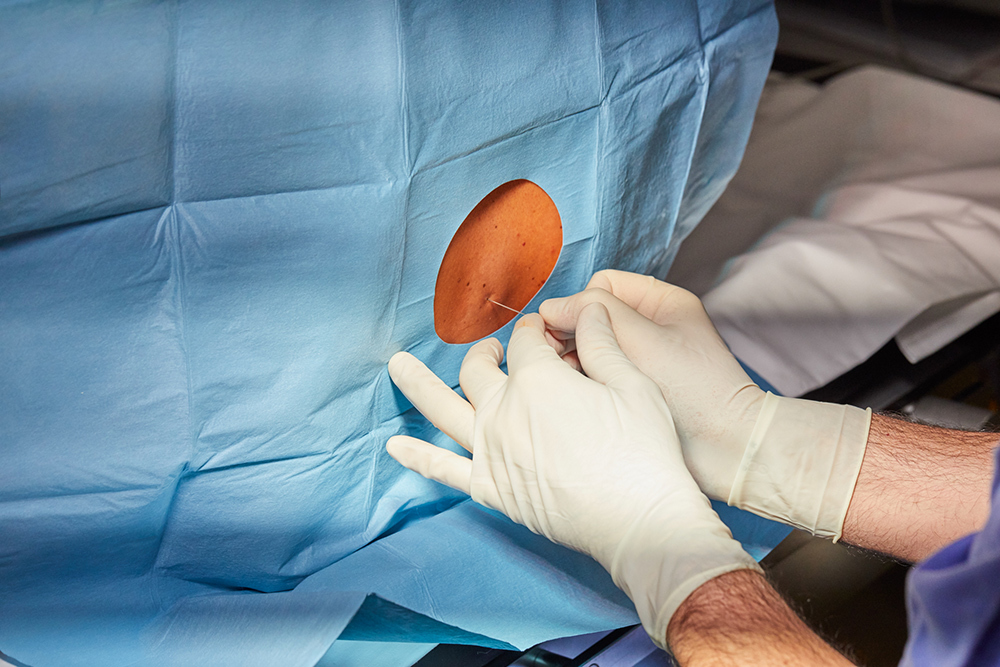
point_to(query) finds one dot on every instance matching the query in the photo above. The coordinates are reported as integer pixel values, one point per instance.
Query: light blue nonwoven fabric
(219, 220)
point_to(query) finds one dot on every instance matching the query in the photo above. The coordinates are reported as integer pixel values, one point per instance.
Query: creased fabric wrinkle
(505, 138)
(408, 165)
(261, 462)
(376, 454)
(337, 392)
(28, 235)
(418, 574)
(48, 493)
(288, 191)
(84, 174)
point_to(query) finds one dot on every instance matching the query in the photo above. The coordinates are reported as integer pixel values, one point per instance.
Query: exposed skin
(739, 620)
(919, 489)
(497, 261)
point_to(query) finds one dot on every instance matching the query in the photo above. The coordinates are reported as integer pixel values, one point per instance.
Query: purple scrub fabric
(953, 600)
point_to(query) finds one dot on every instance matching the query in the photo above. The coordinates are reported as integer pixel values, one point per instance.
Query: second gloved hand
(793, 460)
(591, 462)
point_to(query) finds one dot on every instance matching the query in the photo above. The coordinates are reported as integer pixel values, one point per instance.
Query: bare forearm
(920, 488)
(738, 619)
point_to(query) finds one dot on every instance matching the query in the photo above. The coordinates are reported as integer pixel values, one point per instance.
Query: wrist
(920, 487)
(802, 463)
(665, 557)
(739, 619)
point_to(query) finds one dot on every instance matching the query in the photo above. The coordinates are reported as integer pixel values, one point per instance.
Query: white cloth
(888, 188)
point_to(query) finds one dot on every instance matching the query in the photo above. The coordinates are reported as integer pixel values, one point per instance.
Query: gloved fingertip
(601, 280)
(395, 359)
(532, 320)
(404, 449)
(488, 346)
(554, 309)
(394, 446)
(398, 362)
(497, 347)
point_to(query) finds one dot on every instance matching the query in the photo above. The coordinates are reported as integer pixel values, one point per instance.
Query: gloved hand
(789, 459)
(591, 462)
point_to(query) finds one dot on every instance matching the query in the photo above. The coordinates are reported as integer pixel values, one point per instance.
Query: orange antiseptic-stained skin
(504, 251)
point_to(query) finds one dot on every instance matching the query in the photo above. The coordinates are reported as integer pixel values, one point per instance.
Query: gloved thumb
(597, 347)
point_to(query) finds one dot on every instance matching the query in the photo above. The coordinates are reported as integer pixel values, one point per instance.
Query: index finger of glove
(433, 398)
(599, 353)
(630, 288)
(654, 299)
(563, 314)
(528, 345)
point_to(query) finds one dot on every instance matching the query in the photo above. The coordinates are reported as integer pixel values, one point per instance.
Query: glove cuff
(659, 566)
(802, 463)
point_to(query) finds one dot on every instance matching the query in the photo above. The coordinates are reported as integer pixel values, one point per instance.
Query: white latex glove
(591, 462)
(789, 459)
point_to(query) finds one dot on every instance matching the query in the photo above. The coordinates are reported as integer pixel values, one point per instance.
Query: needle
(503, 306)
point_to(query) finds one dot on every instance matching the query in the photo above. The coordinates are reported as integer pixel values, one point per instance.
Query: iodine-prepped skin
(505, 250)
